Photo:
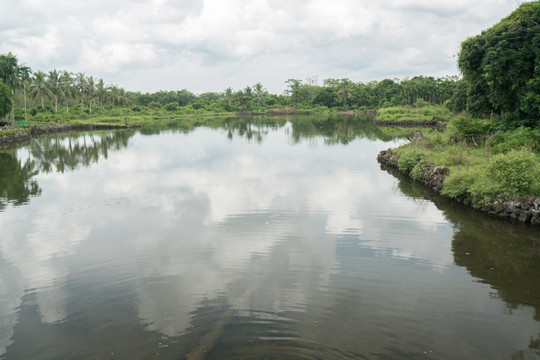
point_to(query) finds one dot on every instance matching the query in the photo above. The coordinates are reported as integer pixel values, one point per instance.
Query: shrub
(420, 103)
(459, 182)
(154, 105)
(409, 158)
(516, 171)
(503, 142)
(464, 127)
(172, 106)
(417, 171)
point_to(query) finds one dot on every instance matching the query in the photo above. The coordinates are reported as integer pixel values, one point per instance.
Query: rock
(535, 221)
(514, 216)
(486, 208)
(509, 207)
(536, 203)
(525, 216)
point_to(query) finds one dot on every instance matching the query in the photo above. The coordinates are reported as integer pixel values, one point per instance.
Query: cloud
(209, 45)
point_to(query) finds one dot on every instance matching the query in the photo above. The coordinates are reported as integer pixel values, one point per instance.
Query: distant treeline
(58, 90)
(500, 67)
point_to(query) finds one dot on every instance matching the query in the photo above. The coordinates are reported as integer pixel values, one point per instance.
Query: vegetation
(492, 166)
(422, 111)
(491, 143)
(501, 67)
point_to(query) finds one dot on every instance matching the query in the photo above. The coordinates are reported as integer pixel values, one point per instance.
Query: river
(251, 239)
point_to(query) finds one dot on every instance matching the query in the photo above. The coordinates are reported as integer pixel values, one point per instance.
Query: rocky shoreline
(517, 209)
(407, 123)
(36, 131)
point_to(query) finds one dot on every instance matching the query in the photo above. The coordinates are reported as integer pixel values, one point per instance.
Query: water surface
(251, 239)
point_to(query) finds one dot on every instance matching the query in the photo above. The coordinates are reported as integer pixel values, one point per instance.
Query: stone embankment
(36, 131)
(406, 123)
(521, 209)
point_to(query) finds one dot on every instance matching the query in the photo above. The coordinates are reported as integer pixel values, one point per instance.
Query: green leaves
(501, 68)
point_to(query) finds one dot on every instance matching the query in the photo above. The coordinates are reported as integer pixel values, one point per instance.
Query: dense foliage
(5, 99)
(61, 92)
(502, 68)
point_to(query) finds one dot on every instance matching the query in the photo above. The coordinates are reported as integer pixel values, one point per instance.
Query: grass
(426, 113)
(486, 166)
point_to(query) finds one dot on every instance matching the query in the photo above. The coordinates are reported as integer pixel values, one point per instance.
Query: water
(251, 239)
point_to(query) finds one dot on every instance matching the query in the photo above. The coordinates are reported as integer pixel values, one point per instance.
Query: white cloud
(208, 45)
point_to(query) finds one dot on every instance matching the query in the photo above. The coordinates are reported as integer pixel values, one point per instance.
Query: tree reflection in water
(481, 244)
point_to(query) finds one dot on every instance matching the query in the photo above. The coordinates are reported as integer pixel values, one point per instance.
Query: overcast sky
(209, 45)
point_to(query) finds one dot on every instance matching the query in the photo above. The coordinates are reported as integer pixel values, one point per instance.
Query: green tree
(5, 99)
(80, 84)
(66, 84)
(502, 68)
(40, 87)
(25, 79)
(53, 81)
(8, 74)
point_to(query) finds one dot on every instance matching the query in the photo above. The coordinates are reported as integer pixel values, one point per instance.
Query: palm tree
(66, 84)
(90, 91)
(229, 96)
(344, 91)
(260, 92)
(247, 97)
(40, 87)
(24, 73)
(80, 83)
(54, 86)
(101, 92)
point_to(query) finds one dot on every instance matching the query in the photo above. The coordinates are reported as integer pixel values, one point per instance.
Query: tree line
(58, 90)
(500, 67)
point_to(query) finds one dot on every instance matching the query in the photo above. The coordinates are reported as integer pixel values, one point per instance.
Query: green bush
(409, 158)
(172, 106)
(417, 171)
(459, 182)
(464, 127)
(516, 171)
(503, 142)
(154, 105)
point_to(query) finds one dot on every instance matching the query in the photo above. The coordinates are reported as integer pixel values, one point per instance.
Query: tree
(66, 84)
(101, 92)
(40, 87)
(53, 81)
(80, 84)
(502, 68)
(5, 99)
(24, 75)
(260, 92)
(90, 91)
(327, 97)
(8, 74)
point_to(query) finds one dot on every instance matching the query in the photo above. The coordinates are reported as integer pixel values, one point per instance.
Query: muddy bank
(524, 209)
(23, 135)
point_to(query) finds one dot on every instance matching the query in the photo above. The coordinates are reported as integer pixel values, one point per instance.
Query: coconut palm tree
(260, 92)
(40, 87)
(101, 92)
(24, 75)
(66, 84)
(55, 86)
(80, 84)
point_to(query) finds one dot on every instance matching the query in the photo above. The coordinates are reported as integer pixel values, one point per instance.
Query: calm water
(250, 240)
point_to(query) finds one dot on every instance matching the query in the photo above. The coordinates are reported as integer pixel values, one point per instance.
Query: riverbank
(10, 135)
(522, 209)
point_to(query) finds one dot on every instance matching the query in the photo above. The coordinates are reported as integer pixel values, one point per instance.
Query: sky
(209, 45)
